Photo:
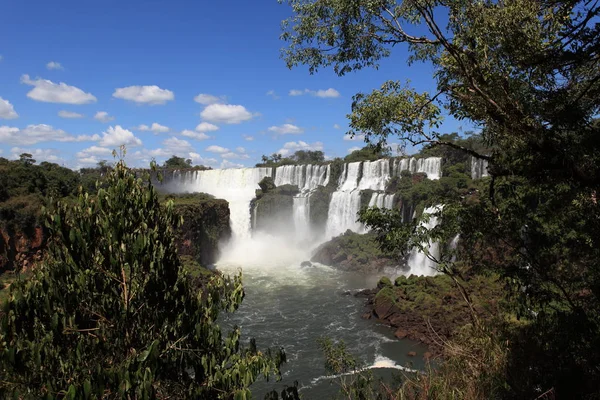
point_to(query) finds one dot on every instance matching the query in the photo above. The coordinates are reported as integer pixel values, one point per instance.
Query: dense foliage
(112, 313)
(527, 75)
(299, 157)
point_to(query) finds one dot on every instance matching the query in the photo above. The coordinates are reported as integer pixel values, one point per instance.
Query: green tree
(368, 153)
(26, 159)
(527, 75)
(308, 156)
(113, 314)
(177, 163)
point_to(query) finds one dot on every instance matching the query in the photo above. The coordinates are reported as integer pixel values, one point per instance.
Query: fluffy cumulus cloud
(195, 135)
(173, 146)
(103, 116)
(248, 138)
(7, 111)
(206, 127)
(322, 93)
(354, 138)
(226, 114)
(69, 114)
(50, 92)
(291, 147)
(351, 149)
(54, 65)
(33, 134)
(155, 127)
(144, 94)
(228, 164)
(50, 155)
(116, 136)
(208, 99)
(217, 149)
(93, 155)
(286, 129)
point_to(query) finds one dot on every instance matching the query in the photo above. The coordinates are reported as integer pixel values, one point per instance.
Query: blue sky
(198, 79)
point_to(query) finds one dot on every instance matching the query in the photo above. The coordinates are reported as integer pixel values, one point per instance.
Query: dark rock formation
(353, 252)
(205, 225)
(272, 209)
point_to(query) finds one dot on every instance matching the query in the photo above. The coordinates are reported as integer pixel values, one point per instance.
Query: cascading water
(432, 166)
(345, 203)
(375, 174)
(236, 185)
(307, 178)
(381, 200)
(418, 261)
(479, 168)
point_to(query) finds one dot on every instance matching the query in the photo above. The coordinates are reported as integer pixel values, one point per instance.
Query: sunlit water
(289, 306)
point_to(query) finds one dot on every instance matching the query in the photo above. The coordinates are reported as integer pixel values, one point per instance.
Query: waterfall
(478, 168)
(302, 217)
(345, 203)
(382, 200)
(418, 261)
(343, 208)
(432, 166)
(236, 185)
(375, 174)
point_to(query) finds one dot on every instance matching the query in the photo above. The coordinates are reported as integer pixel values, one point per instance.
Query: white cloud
(93, 155)
(208, 99)
(7, 111)
(322, 93)
(155, 127)
(286, 129)
(327, 93)
(206, 127)
(176, 146)
(240, 149)
(50, 92)
(69, 114)
(195, 135)
(39, 155)
(359, 137)
(117, 136)
(33, 134)
(103, 116)
(351, 149)
(290, 147)
(54, 65)
(1, 57)
(228, 164)
(336, 126)
(273, 94)
(226, 113)
(144, 94)
(234, 156)
(248, 138)
(198, 159)
(217, 149)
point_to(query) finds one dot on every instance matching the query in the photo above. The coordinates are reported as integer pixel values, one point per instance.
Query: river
(290, 306)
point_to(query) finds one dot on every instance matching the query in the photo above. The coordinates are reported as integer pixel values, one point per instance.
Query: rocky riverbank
(430, 309)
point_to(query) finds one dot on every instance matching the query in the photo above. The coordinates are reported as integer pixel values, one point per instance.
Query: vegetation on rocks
(205, 225)
(353, 252)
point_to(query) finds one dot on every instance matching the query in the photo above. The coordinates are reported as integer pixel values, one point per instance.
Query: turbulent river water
(290, 306)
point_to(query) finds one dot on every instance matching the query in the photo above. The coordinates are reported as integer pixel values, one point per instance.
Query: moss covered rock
(205, 225)
(353, 252)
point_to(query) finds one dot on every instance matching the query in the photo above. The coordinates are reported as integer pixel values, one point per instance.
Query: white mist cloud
(286, 129)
